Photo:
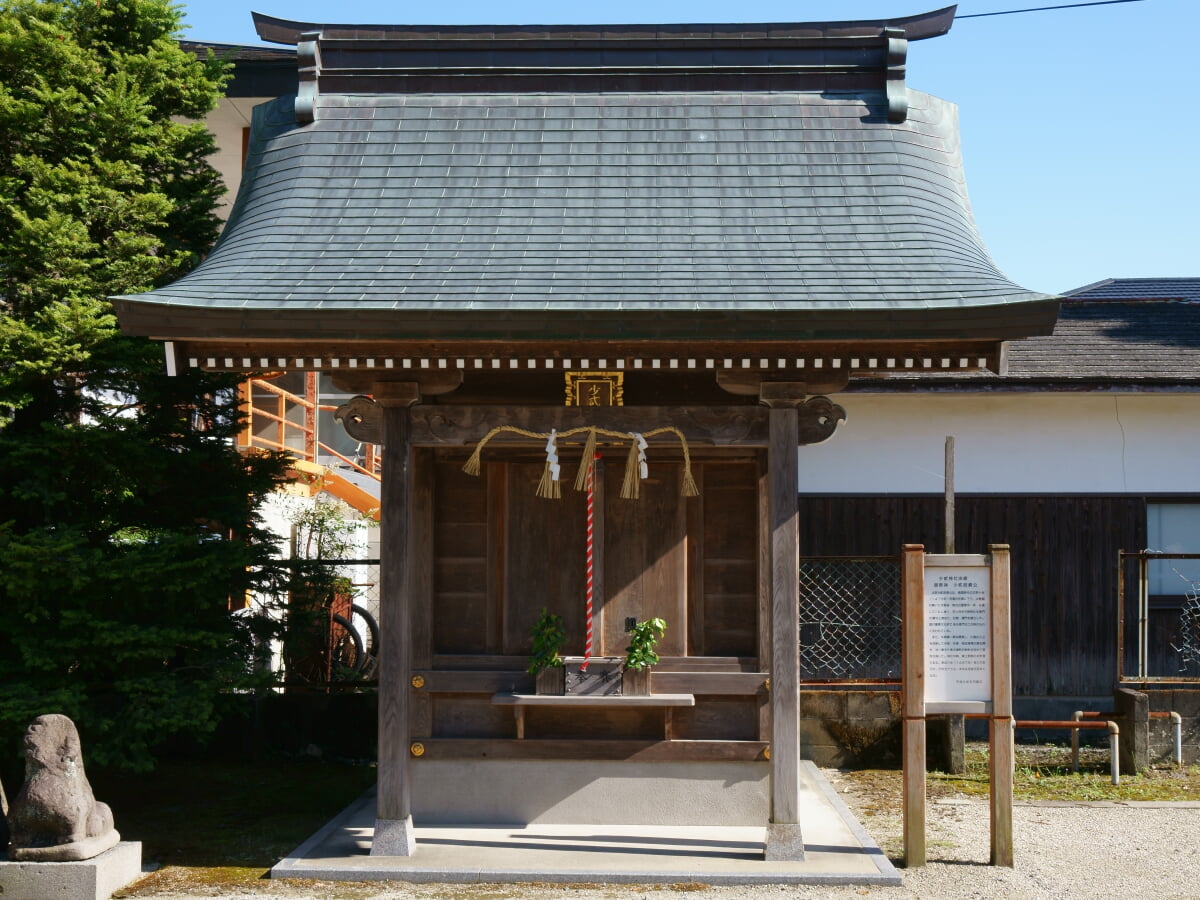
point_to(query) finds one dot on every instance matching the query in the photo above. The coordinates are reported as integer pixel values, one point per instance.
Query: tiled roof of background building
(1141, 344)
(1185, 289)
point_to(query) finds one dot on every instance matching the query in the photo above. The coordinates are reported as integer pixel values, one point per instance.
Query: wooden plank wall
(1064, 552)
(499, 554)
(729, 554)
(645, 560)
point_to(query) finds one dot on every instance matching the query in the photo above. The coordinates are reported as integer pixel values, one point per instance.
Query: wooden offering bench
(519, 703)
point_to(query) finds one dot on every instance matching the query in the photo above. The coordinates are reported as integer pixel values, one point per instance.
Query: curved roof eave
(667, 214)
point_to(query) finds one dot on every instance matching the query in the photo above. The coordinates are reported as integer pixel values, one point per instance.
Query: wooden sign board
(957, 659)
(595, 388)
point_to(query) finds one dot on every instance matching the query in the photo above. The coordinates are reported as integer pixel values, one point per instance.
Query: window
(1173, 528)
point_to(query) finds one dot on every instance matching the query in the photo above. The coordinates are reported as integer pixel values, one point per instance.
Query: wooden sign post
(957, 659)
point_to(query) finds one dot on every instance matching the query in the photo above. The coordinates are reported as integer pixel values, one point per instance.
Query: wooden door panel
(645, 559)
(545, 557)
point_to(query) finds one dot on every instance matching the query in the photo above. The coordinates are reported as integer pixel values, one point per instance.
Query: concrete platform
(86, 879)
(838, 851)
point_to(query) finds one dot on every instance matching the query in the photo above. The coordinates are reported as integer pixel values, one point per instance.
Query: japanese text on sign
(957, 634)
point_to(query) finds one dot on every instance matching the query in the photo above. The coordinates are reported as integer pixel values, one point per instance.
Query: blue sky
(1080, 128)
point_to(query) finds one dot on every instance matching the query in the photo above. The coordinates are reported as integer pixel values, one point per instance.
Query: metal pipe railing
(1176, 726)
(1114, 740)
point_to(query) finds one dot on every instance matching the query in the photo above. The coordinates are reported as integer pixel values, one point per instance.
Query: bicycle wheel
(346, 648)
(372, 640)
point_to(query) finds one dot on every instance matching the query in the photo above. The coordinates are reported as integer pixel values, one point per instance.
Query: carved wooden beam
(729, 426)
(448, 425)
(362, 417)
(818, 417)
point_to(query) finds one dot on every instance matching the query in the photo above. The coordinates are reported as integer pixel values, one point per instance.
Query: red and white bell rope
(591, 508)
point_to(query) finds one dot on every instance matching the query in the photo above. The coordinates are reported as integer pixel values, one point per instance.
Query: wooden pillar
(913, 704)
(784, 838)
(1000, 731)
(393, 805)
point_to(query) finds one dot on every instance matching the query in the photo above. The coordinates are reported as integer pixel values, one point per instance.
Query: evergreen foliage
(128, 525)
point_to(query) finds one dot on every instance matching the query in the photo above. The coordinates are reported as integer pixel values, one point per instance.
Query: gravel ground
(1062, 851)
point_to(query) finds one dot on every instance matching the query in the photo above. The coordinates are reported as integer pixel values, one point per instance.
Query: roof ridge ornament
(897, 91)
(308, 58)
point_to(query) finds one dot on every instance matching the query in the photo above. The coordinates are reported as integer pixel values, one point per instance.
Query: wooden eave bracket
(431, 384)
(362, 416)
(750, 384)
(818, 417)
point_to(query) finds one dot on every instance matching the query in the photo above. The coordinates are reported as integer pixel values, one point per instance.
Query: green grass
(1043, 772)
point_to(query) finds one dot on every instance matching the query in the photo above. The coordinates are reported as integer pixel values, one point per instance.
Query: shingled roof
(257, 71)
(1097, 344)
(1186, 290)
(671, 182)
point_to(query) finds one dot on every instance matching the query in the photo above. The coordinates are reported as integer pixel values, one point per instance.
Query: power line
(1010, 12)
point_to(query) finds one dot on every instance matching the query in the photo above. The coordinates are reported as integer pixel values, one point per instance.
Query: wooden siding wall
(1064, 560)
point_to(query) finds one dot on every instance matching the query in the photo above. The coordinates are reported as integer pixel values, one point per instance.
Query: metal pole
(1143, 613)
(1075, 741)
(1177, 721)
(1114, 751)
(1120, 615)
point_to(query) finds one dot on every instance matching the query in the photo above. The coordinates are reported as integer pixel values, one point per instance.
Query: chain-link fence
(850, 619)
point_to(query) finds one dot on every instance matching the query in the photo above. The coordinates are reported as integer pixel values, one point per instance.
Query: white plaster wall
(226, 123)
(277, 514)
(1010, 443)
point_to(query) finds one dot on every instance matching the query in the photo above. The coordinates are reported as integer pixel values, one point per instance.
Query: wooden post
(784, 838)
(393, 805)
(764, 590)
(954, 734)
(1000, 732)
(913, 667)
(949, 486)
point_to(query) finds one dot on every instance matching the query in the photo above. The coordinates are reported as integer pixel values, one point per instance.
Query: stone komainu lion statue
(55, 816)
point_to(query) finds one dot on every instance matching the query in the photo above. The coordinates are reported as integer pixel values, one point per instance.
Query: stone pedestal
(1133, 716)
(784, 843)
(393, 837)
(88, 879)
(945, 747)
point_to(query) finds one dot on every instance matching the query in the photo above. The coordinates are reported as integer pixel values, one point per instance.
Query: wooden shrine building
(569, 228)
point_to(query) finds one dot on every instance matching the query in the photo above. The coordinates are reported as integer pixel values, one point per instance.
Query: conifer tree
(128, 528)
